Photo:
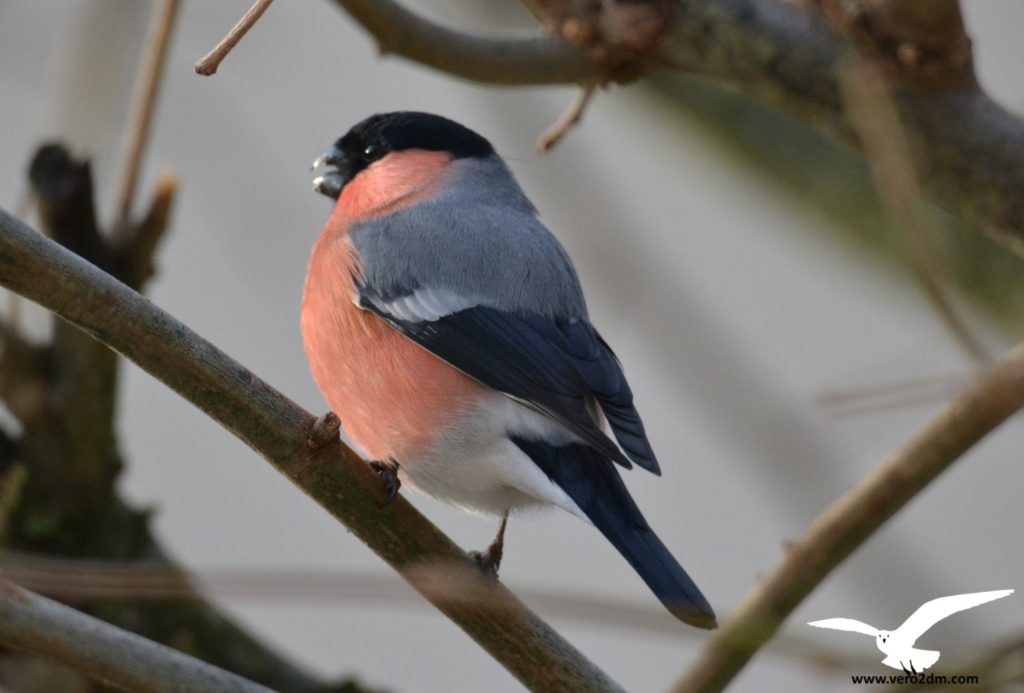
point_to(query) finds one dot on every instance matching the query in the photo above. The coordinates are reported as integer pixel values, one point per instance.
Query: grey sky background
(730, 309)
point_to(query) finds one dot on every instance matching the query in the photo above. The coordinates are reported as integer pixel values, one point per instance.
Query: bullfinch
(446, 327)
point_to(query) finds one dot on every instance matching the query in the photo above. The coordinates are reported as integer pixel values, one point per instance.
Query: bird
(446, 327)
(898, 645)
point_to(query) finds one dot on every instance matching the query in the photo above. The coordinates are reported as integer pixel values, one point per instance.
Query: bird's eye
(371, 152)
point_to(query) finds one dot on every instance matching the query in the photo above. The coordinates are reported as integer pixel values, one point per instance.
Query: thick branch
(63, 394)
(104, 652)
(277, 428)
(491, 59)
(852, 519)
(968, 152)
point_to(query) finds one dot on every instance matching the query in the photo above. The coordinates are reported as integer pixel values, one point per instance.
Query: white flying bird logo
(898, 645)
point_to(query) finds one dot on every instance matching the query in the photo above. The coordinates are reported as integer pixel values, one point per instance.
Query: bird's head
(387, 141)
(883, 636)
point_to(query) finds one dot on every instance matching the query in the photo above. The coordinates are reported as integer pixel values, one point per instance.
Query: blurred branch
(63, 394)
(77, 581)
(208, 64)
(966, 150)
(871, 399)
(1001, 669)
(278, 429)
(23, 367)
(147, 86)
(553, 135)
(853, 518)
(107, 654)
(490, 59)
(871, 111)
(136, 244)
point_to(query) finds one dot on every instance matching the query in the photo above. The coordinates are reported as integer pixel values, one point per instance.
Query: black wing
(547, 366)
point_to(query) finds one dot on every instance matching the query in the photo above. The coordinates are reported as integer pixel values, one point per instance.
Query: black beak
(331, 182)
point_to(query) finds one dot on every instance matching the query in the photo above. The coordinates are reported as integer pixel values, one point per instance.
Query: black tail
(596, 487)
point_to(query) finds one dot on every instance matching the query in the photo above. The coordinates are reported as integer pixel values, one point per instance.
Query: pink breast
(392, 396)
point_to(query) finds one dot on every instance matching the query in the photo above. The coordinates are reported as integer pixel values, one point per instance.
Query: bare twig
(852, 519)
(863, 85)
(277, 429)
(569, 119)
(104, 652)
(147, 86)
(852, 401)
(77, 581)
(208, 64)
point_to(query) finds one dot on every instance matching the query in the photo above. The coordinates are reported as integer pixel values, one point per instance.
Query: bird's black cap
(394, 132)
(383, 133)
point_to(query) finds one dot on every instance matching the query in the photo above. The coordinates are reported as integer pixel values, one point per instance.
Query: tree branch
(885, 147)
(852, 519)
(490, 59)
(104, 652)
(208, 64)
(64, 394)
(277, 429)
(147, 87)
(967, 151)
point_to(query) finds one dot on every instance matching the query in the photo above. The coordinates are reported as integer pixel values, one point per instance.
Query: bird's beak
(331, 182)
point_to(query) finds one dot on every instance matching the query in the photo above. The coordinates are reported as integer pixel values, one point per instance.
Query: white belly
(473, 464)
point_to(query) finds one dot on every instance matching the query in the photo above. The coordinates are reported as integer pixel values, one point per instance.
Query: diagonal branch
(872, 114)
(208, 64)
(277, 428)
(852, 519)
(104, 652)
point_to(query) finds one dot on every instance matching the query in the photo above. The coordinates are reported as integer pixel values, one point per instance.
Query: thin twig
(986, 403)
(863, 85)
(78, 580)
(868, 399)
(274, 426)
(208, 64)
(147, 86)
(561, 127)
(104, 652)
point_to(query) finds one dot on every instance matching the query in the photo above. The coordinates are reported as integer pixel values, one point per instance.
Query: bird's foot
(324, 431)
(490, 560)
(387, 472)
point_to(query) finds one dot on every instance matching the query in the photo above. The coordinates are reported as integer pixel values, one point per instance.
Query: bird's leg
(323, 431)
(490, 560)
(387, 472)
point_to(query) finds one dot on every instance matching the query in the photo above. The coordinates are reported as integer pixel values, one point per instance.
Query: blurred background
(774, 335)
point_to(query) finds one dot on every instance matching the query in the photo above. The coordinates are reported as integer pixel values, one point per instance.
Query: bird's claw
(488, 561)
(387, 472)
